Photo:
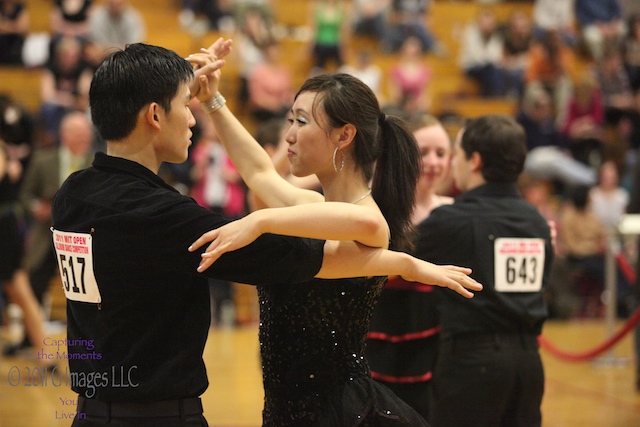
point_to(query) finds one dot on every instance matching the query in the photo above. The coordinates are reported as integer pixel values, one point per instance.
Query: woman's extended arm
(349, 259)
(327, 221)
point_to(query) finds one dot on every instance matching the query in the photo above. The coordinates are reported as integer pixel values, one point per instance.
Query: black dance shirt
(144, 340)
(466, 233)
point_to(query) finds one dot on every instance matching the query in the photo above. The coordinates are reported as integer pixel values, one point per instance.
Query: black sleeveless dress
(312, 341)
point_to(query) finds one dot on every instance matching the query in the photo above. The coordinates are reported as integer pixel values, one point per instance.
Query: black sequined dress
(312, 339)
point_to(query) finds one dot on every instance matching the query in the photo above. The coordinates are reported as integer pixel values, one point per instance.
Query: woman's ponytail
(395, 176)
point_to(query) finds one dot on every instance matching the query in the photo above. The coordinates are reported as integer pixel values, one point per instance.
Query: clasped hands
(206, 65)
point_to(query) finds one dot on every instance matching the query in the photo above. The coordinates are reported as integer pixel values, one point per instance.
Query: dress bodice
(312, 339)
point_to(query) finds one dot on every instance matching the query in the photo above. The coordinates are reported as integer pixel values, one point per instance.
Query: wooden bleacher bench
(21, 84)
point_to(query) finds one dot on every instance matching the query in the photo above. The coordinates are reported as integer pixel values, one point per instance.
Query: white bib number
(519, 263)
(74, 252)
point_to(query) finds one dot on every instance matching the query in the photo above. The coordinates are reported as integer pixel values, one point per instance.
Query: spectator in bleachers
(370, 18)
(331, 32)
(631, 52)
(620, 108)
(601, 23)
(217, 184)
(270, 86)
(115, 24)
(482, 52)
(584, 122)
(254, 31)
(14, 26)
(409, 79)
(552, 65)
(17, 129)
(584, 239)
(518, 35)
(548, 157)
(71, 18)
(608, 199)
(629, 8)
(217, 14)
(64, 85)
(412, 18)
(366, 70)
(607, 202)
(557, 15)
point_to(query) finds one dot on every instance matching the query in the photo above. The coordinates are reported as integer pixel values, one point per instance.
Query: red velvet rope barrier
(625, 266)
(631, 322)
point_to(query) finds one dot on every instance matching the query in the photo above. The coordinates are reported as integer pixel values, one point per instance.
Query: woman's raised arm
(253, 163)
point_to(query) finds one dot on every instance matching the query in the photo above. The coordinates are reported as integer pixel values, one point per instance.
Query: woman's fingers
(220, 48)
(209, 236)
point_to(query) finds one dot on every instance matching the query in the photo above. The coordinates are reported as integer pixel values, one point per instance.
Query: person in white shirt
(115, 24)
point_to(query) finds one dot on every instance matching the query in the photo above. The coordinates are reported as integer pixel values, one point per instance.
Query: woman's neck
(344, 186)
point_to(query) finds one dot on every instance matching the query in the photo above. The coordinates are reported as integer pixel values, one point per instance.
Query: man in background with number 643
(489, 372)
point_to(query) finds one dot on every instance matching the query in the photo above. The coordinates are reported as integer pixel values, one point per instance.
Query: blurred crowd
(571, 68)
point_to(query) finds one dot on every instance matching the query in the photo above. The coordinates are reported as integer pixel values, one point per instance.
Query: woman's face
(435, 151)
(310, 145)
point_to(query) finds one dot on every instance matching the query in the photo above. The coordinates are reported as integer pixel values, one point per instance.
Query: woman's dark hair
(383, 148)
(129, 79)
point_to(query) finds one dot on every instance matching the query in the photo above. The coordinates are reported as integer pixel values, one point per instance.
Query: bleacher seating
(450, 89)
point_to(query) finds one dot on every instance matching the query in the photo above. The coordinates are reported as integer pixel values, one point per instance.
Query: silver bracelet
(214, 104)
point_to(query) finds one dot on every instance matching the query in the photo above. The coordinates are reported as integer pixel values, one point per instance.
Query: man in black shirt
(137, 309)
(489, 372)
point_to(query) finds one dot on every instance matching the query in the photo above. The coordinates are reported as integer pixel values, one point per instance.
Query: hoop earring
(334, 160)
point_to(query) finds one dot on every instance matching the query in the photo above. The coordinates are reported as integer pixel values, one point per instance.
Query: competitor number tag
(519, 263)
(74, 252)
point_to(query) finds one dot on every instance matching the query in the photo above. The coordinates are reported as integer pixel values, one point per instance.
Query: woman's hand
(232, 236)
(207, 64)
(447, 276)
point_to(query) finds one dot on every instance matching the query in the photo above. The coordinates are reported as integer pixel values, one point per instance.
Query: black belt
(165, 408)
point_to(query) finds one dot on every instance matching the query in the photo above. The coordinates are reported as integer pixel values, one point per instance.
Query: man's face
(176, 132)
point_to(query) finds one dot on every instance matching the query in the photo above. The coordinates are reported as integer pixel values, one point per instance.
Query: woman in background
(403, 337)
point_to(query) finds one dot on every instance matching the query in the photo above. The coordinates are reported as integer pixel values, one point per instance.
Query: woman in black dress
(312, 335)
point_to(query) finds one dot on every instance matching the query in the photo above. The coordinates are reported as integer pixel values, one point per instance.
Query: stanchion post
(610, 291)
